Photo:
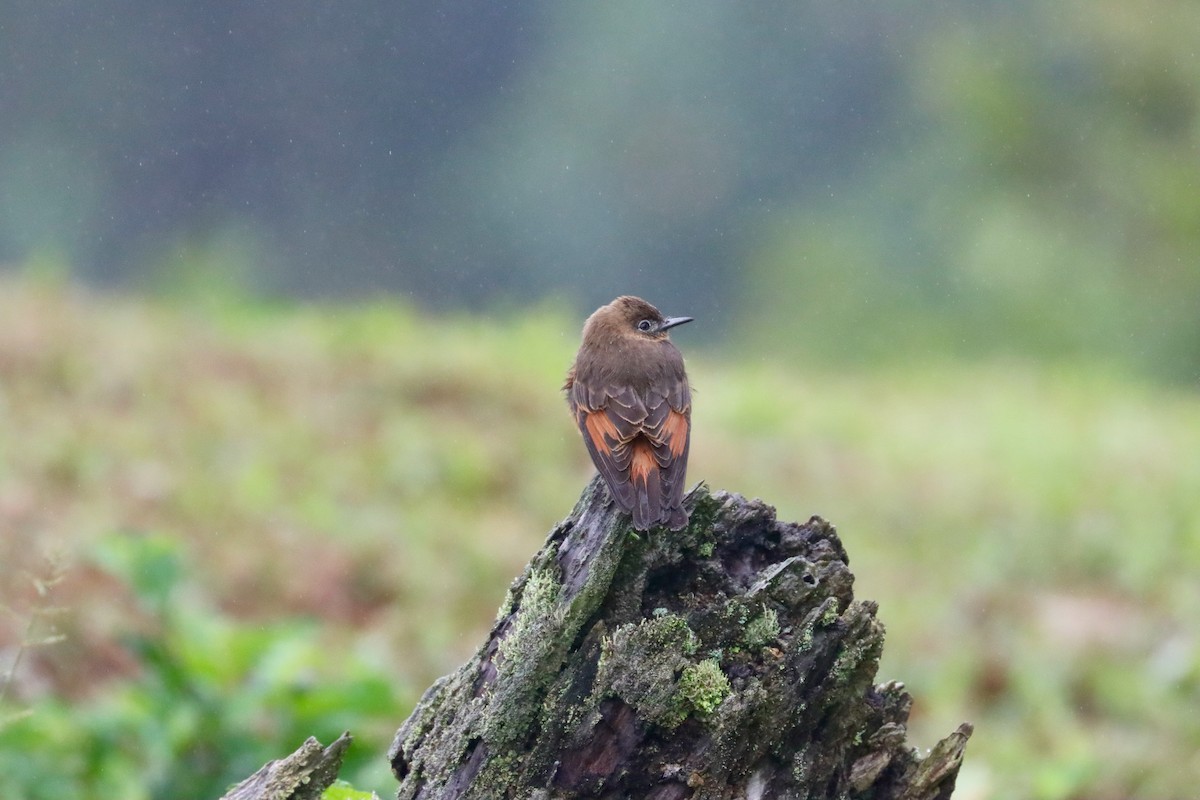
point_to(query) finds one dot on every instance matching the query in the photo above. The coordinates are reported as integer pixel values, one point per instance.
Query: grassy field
(252, 524)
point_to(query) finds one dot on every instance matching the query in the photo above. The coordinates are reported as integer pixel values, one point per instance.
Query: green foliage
(1028, 201)
(212, 701)
(341, 790)
(337, 499)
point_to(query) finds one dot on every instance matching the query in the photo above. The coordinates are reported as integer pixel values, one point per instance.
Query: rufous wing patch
(675, 431)
(601, 431)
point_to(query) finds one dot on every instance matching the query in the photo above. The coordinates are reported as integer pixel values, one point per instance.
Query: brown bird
(629, 395)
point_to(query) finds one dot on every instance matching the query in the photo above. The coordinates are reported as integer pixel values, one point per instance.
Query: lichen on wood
(303, 775)
(726, 660)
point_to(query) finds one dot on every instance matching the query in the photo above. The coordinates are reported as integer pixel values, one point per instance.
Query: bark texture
(727, 660)
(304, 775)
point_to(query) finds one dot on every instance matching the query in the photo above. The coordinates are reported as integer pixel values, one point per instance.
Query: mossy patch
(526, 651)
(641, 664)
(762, 630)
(703, 686)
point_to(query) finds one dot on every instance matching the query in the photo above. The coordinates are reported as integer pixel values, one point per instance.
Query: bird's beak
(671, 322)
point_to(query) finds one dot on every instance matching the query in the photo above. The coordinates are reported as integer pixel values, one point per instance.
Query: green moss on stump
(762, 630)
(703, 686)
(649, 666)
(684, 661)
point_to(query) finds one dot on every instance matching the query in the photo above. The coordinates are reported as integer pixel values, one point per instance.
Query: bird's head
(632, 316)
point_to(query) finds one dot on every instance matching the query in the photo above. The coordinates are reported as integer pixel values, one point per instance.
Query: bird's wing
(610, 419)
(668, 426)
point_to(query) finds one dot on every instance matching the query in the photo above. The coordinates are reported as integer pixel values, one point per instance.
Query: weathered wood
(304, 775)
(727, 660)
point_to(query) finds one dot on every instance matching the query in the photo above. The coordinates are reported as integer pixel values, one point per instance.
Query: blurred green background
(287, 292)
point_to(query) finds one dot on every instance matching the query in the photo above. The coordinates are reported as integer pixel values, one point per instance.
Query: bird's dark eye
(645, 326)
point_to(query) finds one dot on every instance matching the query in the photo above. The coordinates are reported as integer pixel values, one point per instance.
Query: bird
(629, 394)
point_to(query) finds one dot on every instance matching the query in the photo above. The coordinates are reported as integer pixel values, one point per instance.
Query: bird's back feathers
(639, 443)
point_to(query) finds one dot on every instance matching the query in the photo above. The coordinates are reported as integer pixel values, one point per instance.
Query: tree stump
(726, 660)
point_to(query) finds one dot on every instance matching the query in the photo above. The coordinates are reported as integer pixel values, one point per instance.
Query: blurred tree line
(844, 181)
